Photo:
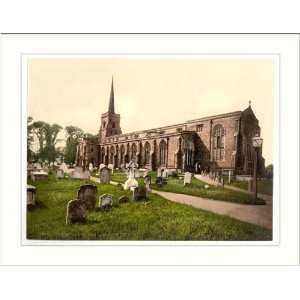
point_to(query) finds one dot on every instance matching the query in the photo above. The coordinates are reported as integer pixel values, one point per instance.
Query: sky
(150, 91)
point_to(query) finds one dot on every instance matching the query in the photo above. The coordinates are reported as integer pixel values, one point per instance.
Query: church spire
(111, 107)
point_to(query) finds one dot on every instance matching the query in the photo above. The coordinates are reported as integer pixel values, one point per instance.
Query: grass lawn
(196, 188)
(263, 186)
(154, 219)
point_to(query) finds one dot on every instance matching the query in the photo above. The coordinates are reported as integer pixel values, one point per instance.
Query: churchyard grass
(264, 186)
(196, 188)
(154, 219)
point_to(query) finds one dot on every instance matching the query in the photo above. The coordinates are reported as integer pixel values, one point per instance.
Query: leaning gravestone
(76, 212)
(59, 173)
(147, 182)
(139, 193)
(87, 194)
(105, 175)
(187, 178)
(31, 196)
(105, 201)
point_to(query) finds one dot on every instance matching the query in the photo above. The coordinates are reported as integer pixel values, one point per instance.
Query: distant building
(210, 143)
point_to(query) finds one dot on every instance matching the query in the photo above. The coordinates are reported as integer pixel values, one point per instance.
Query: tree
(73, 135)
(30, 138)
(91, 138)
(269, 171)
(47, 137)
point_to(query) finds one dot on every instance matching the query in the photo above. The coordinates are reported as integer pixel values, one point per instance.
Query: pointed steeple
(111, 107)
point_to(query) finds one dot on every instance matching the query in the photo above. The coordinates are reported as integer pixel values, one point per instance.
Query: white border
(285, 253)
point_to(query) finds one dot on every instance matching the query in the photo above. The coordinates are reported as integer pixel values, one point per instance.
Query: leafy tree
(73, 135)
(49, 151)
(91, 138)
(30, 153)
(269, 171)
(39, 129)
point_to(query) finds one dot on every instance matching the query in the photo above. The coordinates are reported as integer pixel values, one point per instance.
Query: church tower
(110, 121)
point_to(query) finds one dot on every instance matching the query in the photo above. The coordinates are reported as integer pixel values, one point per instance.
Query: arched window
(162, 152)
(122, 154)
(218, 142)
(133, 152)
(147, 153)
(112, 153)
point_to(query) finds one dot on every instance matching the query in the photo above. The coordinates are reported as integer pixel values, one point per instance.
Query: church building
(220, 142)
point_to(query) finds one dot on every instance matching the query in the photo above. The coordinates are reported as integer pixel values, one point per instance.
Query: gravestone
(159, 181)
(111, 167)
(31, 190)
(123, 199)
(105, 201)
(165, 173)
(60, 173)
(105, 175)
(139, 193)
(229, 176)
(87, 194)
(147, 182)
(78, 173)
(187, 178)
(160, 172)
(76, 212)
(206, 186)
(91, 167)
(101, 166)
(64, 167)
(39, 175)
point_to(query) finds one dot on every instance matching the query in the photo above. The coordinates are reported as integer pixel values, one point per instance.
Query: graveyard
(196, 188)
(135, 212)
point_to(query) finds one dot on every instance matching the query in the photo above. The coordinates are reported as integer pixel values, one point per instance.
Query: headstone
(105, 175)
(147, 182)
(165, 173)
(60, 173)
(159, 181)
(206, 186)
(111, 167)
(91, 167)
(64, 167)
(31, 190)
(40, 175)
(78, 173)
(105, 201)
(229, 177)
(160, 172)
(123, 199)
(139, 193)
(101, 166)
(187, 178)
(87, 194)
(76, 212)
